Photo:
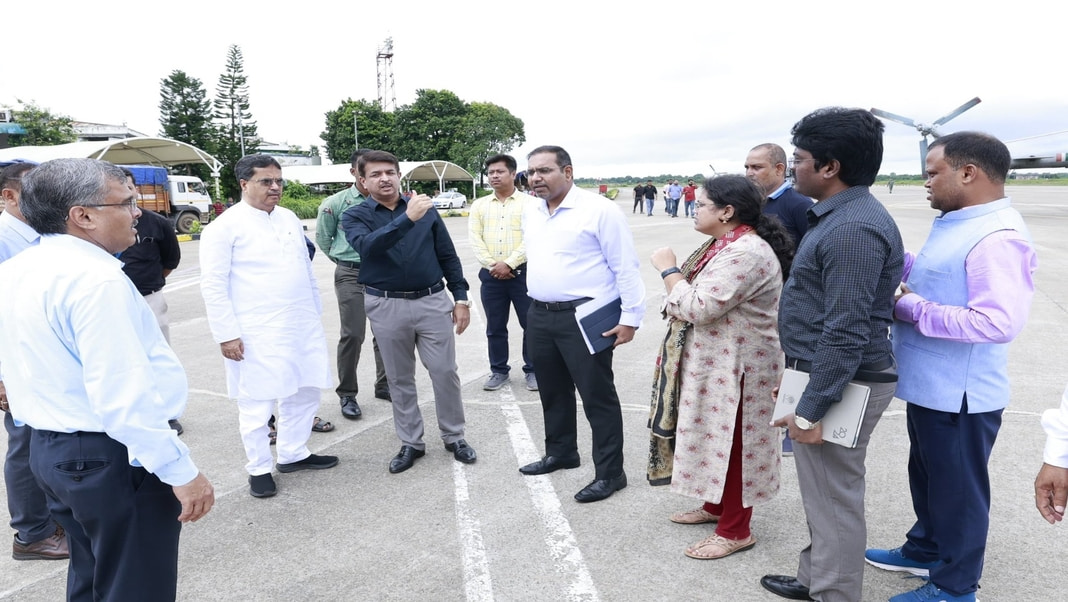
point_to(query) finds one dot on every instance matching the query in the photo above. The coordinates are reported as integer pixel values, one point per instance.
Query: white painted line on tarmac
(559, 538)
(477, 582)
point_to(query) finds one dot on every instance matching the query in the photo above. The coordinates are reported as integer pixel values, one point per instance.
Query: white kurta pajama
(258, 286)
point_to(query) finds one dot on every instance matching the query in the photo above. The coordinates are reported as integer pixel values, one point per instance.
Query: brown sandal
(694, 517)
(714, 546)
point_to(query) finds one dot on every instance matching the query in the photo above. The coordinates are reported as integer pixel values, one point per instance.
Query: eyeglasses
(131, 205)
(268, 182)
(700, 205)
(795, 161)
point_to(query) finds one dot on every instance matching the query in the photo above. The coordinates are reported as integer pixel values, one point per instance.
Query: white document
(841, 423)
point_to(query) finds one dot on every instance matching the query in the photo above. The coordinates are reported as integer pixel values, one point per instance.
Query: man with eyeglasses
(89, 370)
(579, 249)
(834, 317)
(37, 536)
(264, 311)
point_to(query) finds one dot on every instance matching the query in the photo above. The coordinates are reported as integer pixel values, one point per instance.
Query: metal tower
(387, 93)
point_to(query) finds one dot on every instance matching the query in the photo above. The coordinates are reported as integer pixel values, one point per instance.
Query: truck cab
(189, 201)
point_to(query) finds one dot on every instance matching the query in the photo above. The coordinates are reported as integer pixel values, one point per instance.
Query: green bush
(304, 208)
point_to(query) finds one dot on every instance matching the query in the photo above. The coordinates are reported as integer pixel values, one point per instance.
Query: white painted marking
(477, 582)
(559, 538)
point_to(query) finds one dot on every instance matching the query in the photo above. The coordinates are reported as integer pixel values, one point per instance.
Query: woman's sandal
(694, 517)
(321, 426)
(714, 546)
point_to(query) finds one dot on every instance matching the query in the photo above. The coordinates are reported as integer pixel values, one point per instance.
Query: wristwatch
(466, 302)
(804, 424)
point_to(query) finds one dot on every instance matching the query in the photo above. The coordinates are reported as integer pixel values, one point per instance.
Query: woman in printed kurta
(712, 396)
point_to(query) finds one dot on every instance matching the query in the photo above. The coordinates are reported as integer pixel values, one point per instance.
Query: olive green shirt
(328, 232)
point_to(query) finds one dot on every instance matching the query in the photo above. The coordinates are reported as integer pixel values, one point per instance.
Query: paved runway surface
(446, 531)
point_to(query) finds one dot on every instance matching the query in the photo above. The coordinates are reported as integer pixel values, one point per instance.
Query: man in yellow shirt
(496, 235)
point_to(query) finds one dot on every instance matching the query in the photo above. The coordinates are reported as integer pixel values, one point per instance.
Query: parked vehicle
(184, 199)
(450, 200)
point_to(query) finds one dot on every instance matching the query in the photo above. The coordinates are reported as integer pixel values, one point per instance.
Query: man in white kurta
(264, 310)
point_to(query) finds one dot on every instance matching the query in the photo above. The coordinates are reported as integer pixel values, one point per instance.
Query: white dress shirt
(583, 249)
(15, 236)
(258, 286)
(82, 351)
(1055, 421)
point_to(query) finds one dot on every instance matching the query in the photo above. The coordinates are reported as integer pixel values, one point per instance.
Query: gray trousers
(350, 306)
(402, 326)
(831, 480)
(26, 501)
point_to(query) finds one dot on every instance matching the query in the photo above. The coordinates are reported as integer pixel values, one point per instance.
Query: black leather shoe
(549, 464)
(462, 451)
(383, 393)
(349, 408)
(601, 489)
(786, 586)
(405, 458)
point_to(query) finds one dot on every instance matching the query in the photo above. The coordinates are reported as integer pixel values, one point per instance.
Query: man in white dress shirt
(579, 248)
(88, 369)
(264, 310)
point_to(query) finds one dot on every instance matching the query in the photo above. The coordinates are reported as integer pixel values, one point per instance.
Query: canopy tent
(127, 151)
(419, 171)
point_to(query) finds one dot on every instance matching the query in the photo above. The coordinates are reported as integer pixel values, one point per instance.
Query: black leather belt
(559, 305)
(872, 372)
(405, 294)
(352, 265)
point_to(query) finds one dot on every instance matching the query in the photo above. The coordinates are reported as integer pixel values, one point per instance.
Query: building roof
(437, 171)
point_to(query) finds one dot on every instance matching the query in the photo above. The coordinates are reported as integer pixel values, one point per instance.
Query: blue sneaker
(894, 560)
(931, 593)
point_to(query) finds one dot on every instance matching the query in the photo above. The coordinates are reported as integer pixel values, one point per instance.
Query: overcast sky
(628, 88)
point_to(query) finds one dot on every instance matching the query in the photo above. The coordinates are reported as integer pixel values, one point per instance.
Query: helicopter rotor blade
(893, 117)
(964, 107)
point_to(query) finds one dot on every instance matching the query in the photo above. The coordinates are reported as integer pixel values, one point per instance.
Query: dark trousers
(637, 204)
(950, 487)
(121, 521)
(498, 296)
(25, 501)
(562, 363)
(353, 332)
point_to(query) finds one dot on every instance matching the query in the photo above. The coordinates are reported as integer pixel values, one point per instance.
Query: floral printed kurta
(733, 306)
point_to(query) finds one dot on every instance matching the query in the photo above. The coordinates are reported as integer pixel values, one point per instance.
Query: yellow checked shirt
(496, 229)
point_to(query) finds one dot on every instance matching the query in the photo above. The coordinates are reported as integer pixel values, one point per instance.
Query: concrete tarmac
(446, 531)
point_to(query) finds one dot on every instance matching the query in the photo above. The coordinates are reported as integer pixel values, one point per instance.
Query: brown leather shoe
(53, 547)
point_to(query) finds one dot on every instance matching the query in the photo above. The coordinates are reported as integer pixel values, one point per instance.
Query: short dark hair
(53, 187)
(376, 156)
(853, 137)
(562, 158)
(248, 165)
(356, 154)
(748, 201)
(508, 160)
(981, 150)
(11, 176)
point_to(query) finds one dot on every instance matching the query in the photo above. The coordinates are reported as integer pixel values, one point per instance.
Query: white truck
(184, 199)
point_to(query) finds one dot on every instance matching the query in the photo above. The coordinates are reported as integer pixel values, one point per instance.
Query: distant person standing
(330, 237)
(579, 248)
(689, 196)
(495, 229)
(149, 261)
(674, 195)
(650, 197)
(639, 195)
(37, 536)
(264, 311)
(890, 185)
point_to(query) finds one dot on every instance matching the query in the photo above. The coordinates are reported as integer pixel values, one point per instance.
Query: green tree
(428, 128)
(487, 130)
(235, 132)
(185, 115)
(375, 129)
(43, 128)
